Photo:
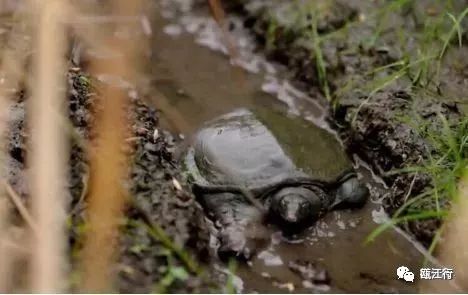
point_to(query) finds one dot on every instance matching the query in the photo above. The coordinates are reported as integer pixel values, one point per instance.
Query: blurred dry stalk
(91, 38)
(23, 211)
(5, 255)
(219, 15)
(8, 6)
(48, 157)
(108, 165)
(12, 71)
(454, 247)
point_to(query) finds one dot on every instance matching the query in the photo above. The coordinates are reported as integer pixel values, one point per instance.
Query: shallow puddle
(192, 81)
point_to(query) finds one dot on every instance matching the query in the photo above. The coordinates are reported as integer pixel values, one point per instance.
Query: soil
(159, 202)
(177, 255)
(372, 128)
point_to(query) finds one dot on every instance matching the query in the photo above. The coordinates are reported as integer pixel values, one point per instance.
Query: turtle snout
(290, 211)
(291, 217)
(295, 209)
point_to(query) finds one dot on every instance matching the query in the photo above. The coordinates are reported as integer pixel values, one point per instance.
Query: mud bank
(386, 100)
(164, 239)
(165, 242)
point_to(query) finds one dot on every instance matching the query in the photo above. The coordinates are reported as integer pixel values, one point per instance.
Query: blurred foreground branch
(454, 247)
(12, 72)
(219, 16)
(48, 149)
(108, 163)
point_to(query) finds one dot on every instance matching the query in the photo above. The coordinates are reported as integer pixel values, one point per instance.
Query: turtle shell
(261, 149)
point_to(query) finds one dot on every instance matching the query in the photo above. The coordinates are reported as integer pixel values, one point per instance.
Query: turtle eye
(304, 206)
(283, 202)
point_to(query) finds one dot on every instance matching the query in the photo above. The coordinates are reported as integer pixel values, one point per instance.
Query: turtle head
(295, 206)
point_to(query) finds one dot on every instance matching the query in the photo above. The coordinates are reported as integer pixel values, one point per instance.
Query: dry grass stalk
(93, 38)
(48, 149)
(454, 247)
(108, 167)
(12, 69)
(219, 16)
(455, 250)
(23, 211)
(5, 253)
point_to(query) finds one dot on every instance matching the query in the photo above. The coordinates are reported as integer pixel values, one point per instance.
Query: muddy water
(200, 84)
(194, 83)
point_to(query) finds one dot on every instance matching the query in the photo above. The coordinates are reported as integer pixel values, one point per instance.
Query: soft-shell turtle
(291, 168)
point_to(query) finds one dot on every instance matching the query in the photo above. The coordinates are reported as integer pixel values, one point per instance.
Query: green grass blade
(417, 216)
(455, 29)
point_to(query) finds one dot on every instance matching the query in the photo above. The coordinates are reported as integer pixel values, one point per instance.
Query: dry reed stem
(23, 211)
(219, 15)
(108, 163)
(12, 67)
(48, 149)
(5, 252)
(93, 38)
(454, 247)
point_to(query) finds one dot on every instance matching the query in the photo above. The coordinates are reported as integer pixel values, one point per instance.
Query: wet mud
(374, 123)
(165, 236)
(161, 202)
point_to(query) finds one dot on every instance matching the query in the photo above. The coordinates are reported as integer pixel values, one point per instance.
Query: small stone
(176, 184)
(155, 135)
(309, 271)
(362, 17)
(341, 224)
(172, 30)
(133, 94)
(180, 92)
(288, 286)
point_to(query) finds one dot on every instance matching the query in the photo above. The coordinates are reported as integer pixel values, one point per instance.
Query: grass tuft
(445, 164)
